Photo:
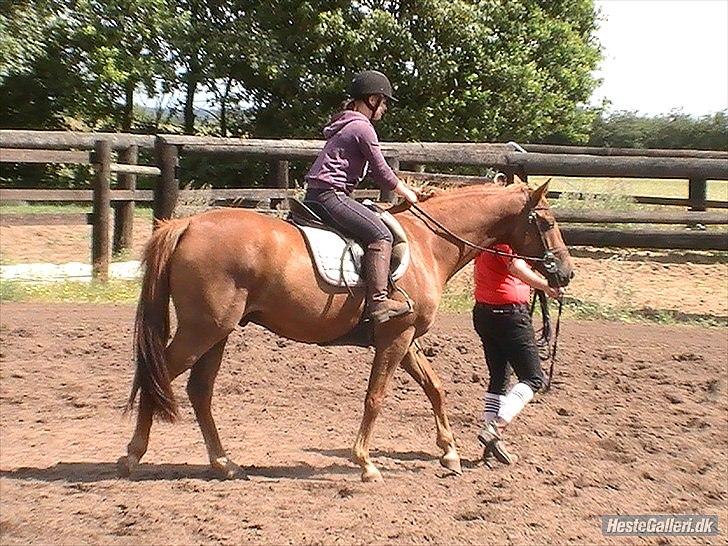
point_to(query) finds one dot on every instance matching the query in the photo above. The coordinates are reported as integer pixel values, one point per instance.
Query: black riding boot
(375, 268)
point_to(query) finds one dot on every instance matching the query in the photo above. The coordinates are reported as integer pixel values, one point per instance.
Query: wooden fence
(97, 149)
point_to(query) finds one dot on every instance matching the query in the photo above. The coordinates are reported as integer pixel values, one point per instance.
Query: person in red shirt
(502, 320)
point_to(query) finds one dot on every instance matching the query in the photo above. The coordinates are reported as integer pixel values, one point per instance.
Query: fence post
(100, 255)
(279, 179)
(166, 190)
(388, 196)
(124, 210)
(697, 194)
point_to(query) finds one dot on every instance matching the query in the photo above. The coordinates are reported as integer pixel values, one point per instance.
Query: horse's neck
(481, 216)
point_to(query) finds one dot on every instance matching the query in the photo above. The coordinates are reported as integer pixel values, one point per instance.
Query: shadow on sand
(87, 472)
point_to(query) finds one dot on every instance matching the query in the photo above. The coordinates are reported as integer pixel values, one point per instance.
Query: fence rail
(645, 238)
(30, 155)
(638, 217)
(66, 219)
(591, 150)
(697, 166)
(64, 140)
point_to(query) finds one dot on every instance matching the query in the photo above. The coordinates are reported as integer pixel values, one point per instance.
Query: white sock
(493, 404)
(516, 399)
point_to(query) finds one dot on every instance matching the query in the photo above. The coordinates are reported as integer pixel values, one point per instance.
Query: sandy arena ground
(637, 424)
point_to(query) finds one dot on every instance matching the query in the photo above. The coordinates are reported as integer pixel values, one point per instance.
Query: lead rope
(556, 340)
(547, 350)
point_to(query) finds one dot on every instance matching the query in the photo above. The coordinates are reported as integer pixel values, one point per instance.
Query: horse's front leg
(391, 346)
(415, 363)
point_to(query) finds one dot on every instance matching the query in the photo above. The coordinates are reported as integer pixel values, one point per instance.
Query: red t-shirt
(494, 284)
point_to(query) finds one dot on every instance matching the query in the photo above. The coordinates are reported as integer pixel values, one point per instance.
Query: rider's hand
(409, 195)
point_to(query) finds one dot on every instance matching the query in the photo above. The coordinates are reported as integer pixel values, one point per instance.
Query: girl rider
(352, 148)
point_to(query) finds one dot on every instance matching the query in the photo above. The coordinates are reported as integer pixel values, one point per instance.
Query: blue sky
(662, 55)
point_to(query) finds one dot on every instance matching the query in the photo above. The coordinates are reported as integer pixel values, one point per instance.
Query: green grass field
(115, 291)
(717, 190)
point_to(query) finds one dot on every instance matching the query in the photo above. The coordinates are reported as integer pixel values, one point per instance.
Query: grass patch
(598, 202)
(115, 291)
(140, 211)
(652, 187)
(456, 300)
(588, 310)
(459, 301)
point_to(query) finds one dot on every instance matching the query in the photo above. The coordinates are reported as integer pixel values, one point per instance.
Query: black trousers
(509, 343)
(349, 216)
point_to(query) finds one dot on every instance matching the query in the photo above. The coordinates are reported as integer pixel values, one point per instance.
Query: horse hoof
(126, 465)
(451, 461)
(371, 474)
(225, 469)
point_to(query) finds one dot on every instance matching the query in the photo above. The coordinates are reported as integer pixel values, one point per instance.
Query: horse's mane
(435, 196)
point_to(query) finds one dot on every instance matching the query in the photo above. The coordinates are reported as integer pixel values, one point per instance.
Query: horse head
(538, 235)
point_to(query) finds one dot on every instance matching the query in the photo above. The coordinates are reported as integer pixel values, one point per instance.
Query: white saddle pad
(338, 261)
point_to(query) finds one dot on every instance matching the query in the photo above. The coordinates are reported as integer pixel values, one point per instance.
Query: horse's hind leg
(415, 363)
(137, 446)
(199, 390)
(186, 348)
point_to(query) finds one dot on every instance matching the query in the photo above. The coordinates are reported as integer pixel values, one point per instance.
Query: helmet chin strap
(376, 106)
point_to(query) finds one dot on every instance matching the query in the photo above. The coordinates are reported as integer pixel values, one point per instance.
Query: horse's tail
(151, 326)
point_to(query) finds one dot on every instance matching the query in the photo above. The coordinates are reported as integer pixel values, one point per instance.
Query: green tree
(120, 47)
(35, 87)
(674, 130)
(215, 48)
(84, 59)
(464, 70)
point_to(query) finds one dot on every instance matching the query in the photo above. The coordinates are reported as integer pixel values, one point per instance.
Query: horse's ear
(539, 193)
(500, 179)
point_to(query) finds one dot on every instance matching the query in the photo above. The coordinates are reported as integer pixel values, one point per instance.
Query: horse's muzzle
(561, 278)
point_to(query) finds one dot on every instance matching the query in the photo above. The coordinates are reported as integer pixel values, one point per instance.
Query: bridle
(550, 264)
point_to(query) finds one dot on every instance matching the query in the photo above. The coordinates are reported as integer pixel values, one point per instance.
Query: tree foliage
(87, 59)
(464, 70)
(120, 46)
(674, 130)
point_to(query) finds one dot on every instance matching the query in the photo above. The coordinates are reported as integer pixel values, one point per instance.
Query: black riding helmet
(371, 82)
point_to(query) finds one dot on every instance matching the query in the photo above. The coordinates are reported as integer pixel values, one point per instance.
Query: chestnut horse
(229, 267)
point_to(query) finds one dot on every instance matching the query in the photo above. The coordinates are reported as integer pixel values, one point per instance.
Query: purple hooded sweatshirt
(351, 148)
